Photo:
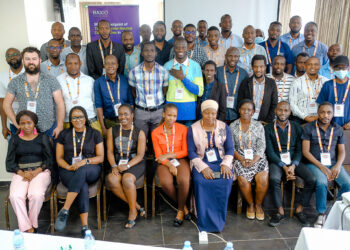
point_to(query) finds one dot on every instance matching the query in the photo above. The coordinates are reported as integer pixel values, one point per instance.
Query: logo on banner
(100, 12)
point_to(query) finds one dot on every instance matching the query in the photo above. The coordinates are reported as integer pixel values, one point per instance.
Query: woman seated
(250, 162)
(79, 153)
(30, 159)
(210, 149)
(170, 147)
(126, 147)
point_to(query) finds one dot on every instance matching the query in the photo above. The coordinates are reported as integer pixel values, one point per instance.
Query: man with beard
(274, 46)
(304, 92)
(310, 45)
(283, 150)
(214, 50)
(14, 60)
(53, 66)
(132, 53)
(201, 40)
(163, 47)
(194, 52)
(185, 83)
(327, 70)
(37, 92)
(227, 38)
(324, 149)
(75, 38)
(293, 37)
(97, 51)
(176, 28)
(249, 49)
(300, 64)
(282, 80)
(261, 90)
(145, 33)
(231, 75)
(57, 32)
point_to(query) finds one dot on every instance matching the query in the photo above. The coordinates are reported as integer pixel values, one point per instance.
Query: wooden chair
(155, 184)
(140, 183)
(48, 197)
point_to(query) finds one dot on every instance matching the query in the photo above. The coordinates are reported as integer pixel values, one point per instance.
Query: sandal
(177, 222)
(142, 212)
(132, 223)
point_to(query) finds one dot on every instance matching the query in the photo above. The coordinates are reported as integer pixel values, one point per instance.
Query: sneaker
(83, 231)
(61, 221)
(321, 218)
(276, 219)
(302, 219)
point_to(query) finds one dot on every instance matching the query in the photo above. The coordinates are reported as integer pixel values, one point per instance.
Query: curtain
(344, 28)
(284, 15)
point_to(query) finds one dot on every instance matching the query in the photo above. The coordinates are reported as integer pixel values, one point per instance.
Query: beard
(16, 64)
(35, 71)
(159, 40)
(295, 31)
(126, 48)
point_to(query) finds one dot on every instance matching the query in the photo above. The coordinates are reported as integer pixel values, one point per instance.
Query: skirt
(249, 173)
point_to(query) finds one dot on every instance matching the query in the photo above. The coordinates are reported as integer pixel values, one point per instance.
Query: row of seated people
(210, 152)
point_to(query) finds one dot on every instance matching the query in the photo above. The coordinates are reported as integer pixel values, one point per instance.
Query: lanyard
(308, 88)
(240, 136)
(75, 143)
(315, 50)
(336, 93)
(291, 42)
(237, 76)
(222, 40)
(49, 69)
(10, 78)
(284, 85)
(216, 52)
(244, 61)
(262, 95)
(211, 139)
(188, 64)
(167, 141)
(121, 142)
(319, 138)
(331, 73)
(191, 55)
(126, 65)
(147, 86)
(36, 92)
(110, 50)
(78, 88)
(109, 89)
(278, 138)
(268, 53)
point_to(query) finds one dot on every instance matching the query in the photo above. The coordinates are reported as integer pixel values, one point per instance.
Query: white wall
(259, 13)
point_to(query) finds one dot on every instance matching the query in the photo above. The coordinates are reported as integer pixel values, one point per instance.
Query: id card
(104, 71)
(312, 107)
(326, 159)
(76, 159)
(175, 162)
(75, 102)
(179, 93)
(230, 101)
(285, 158)
(123, 161)
(211, 156)
(31, 106)
(248, 154)
(116, 108)
(150, 101)
(256, 116)
(338, 110)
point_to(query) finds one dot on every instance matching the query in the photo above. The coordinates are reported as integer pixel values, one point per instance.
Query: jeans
(343, 181)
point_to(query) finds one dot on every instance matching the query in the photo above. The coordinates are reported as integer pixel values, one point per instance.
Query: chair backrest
(347, 147)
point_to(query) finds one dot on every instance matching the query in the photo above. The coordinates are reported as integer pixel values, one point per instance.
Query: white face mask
(341, 74)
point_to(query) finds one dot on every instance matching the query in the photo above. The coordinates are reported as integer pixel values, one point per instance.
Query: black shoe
(302, 219)
(35, 230)
(276, 219)
(177, 222)
(188, 216)
(61, 221)
(83, 231)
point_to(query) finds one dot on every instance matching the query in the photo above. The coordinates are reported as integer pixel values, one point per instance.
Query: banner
(121, 17)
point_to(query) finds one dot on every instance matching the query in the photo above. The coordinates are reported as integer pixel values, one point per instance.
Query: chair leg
(292, 201)
(7, 213)
(335, 193)
(104, 204)
(239, 202)
(52, 227)
(145, 196)
(154, 197)
(56, 205)
(282, 193)
(98, 208)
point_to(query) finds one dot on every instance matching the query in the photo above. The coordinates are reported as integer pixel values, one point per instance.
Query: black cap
(341, 60)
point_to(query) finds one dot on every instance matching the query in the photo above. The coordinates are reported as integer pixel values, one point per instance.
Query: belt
(151, 109)
(93, 119)
(30, 165)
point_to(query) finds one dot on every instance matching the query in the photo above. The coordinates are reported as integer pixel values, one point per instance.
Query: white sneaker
(321, 218)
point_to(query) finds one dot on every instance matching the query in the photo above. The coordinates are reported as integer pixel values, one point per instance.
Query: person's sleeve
(61, 137)
(97, 136)
(270, 151)
(341, 138)
(48, 157)
(90, 63)
(11, 87)
(192, 153)
(43, 54)
(260, 141)
(241, 91)
(98, 95)
(55, 85)
(222, 102)
(322, 96)
(172, 54)
(306, 135)
(274, 102)
(298, 147)
(11, 164)
(166, 78)
(294, 100)
(121, 59)
(130, 96)
(183, 153)
(203, 57)
(325, 56)
(289, 57)
(132, 80)
(196, 87)
(156, 146)
(229, 149)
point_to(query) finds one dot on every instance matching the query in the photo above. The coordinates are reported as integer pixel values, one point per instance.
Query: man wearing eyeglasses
(14, 60)
(53, 66)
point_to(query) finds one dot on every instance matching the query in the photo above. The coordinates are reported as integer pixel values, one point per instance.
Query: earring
(21, 133)
(35, 131)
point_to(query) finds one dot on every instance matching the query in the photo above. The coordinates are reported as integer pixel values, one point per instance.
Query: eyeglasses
(76, 118)
(190, 32)
(12, 55)
(52, 48)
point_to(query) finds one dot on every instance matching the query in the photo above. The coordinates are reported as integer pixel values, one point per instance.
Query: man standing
(97, 51)
(215, 52)
(36, 92)
(75, 38)
(145, 33)
(300, 64)
(185, 83)
(274, 46)
(260, 36)
(201, 39)
(227, 38)
(323, 147)
(283, 150)
(14, 60)
(249, 49)
(176, 28)
(163, 47)
(132, 53)
(53, 66)
(282, 80)
(111, 90)
(336, 91)
(57, 32)
(305, 90)
(231, 75)
(327, 70)
(310, 45)
(261, 90)
(293, 37)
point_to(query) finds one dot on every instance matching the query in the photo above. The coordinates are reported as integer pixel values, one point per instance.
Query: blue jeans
(343, 182)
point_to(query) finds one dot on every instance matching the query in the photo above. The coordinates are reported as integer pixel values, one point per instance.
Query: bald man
(132, 53)
(327, 70)
(227, 38)
(57, 32)
(293, 37)
(176, 28)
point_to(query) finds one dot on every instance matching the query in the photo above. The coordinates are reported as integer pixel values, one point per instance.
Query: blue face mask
(341, 74)
(258, 39)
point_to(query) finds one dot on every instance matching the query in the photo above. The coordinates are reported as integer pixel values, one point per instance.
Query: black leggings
(78, 182)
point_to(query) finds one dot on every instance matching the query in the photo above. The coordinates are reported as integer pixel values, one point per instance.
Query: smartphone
(216, 175)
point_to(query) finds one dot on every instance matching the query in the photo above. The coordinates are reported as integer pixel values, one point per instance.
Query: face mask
(341, 74)
(258, 39)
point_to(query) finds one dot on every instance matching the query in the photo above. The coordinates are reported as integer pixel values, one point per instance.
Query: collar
(313, 45)
(228, 70)
(290, 36)
(269, 44)
(14, 74)
(142, 65)
(184, 63)
(283, 77)
(51, 65)
(229, 37)
(109, 79)
(245, 48)
(308, 78)
(73, 79)
(331, 125)
(278, 125)
(259, 83)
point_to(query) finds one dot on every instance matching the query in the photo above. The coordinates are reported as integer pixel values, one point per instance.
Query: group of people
(212, 108)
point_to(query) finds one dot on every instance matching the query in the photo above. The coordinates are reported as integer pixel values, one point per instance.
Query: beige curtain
(284, 16)
(344, 28)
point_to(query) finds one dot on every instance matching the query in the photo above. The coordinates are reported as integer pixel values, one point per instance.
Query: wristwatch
(128, 166)
(87, 161)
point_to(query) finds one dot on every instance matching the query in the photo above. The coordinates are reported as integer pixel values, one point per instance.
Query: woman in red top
(170, 147)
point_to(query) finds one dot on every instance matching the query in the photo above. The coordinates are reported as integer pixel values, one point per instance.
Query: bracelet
(114, 165)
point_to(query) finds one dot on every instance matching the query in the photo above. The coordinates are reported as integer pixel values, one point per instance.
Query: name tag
(150, 101)
(175, 162)
(326, 159)
(285, 158)
(312, 107)
(211, 156)
(179, 93)
(230, 101)
(123, 161)
(248, 154)
(116, 108)
(338, 110)
(76, 159)
(31, 106)
(256, 115)
(75, 102)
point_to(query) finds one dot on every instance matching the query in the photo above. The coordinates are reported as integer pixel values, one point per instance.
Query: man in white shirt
(53, 66)
(77, 90)
(228, 39)
(14, 60)
(305, 90)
